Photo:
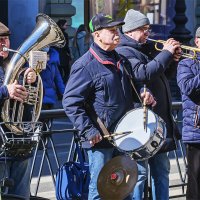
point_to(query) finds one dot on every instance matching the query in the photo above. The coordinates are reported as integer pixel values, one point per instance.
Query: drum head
(133, 121)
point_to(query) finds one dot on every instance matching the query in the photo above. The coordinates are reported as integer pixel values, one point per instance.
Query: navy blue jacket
(98, 79)
(152, 72)
(3, 89)
(188, 79)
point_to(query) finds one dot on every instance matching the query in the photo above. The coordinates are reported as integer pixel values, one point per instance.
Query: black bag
(72, 179)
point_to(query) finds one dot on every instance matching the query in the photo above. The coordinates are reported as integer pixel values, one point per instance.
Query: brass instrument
(187, 51)
(46, 33)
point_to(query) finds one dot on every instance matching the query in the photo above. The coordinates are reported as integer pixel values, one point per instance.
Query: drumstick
(120, 133)
(145, 111)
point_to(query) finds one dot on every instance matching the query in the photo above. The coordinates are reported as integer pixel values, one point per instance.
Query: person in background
(98, 81)
(13, 168)
(81, 42)
(152, 70)
(64, 53)
(52, 80)
(188, 79)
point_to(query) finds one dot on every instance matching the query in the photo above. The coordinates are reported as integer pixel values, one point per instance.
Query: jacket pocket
(197, 117)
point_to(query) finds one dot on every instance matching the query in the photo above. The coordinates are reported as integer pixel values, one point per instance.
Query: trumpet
(187, 51)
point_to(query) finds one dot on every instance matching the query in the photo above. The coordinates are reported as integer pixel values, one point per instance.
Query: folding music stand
(43, 145)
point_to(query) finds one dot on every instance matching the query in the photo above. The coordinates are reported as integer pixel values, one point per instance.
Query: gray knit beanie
(197, 32)
(134, 19)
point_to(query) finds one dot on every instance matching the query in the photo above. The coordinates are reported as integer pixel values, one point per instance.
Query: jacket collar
(128, 41)
(147, 48)
(104, 57)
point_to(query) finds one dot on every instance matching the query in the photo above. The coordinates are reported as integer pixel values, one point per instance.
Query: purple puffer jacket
(188, 79)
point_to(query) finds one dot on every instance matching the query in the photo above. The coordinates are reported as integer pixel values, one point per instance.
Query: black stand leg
(45, 139)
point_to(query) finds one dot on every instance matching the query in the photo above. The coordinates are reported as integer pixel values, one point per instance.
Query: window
(155, 10)
(78, 18)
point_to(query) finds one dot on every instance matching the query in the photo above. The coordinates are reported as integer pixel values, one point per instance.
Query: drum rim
(17, 197)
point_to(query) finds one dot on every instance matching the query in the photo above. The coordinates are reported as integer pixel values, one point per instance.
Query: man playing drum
(152, 71)
(98, 80)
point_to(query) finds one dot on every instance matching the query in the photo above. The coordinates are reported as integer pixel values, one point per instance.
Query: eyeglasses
(145, 30)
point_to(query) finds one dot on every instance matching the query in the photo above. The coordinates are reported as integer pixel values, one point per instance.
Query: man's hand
(95, 139)
(17, 92)
(30, 75)
(172, 45)
(148, 98)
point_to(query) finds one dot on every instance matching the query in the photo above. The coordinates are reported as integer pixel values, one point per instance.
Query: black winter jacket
(152, 73)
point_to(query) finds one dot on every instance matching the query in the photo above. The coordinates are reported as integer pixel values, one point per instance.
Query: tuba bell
(46, 33)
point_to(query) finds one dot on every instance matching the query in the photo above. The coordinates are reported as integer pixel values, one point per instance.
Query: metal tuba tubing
(46, 33)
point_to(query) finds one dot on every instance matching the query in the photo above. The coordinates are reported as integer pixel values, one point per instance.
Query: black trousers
(193, 158)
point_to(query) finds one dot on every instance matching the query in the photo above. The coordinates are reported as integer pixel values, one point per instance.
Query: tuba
(46, 33)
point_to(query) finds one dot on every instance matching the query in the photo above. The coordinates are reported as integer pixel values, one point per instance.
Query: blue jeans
(19, 172)
(160, 169)
(142, 177)
(97, 159)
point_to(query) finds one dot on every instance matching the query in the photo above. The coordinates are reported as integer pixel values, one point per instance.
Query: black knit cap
(101, 20)
(4, 30)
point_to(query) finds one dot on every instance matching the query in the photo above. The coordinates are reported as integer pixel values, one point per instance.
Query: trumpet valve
(32, 97)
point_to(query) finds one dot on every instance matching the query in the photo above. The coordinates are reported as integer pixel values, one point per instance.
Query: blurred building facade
(20, 15)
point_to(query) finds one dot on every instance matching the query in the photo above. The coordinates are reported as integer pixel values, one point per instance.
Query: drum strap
(102, 126)
(131, 80)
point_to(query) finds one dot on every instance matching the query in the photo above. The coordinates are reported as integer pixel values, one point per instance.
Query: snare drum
(141, 144)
